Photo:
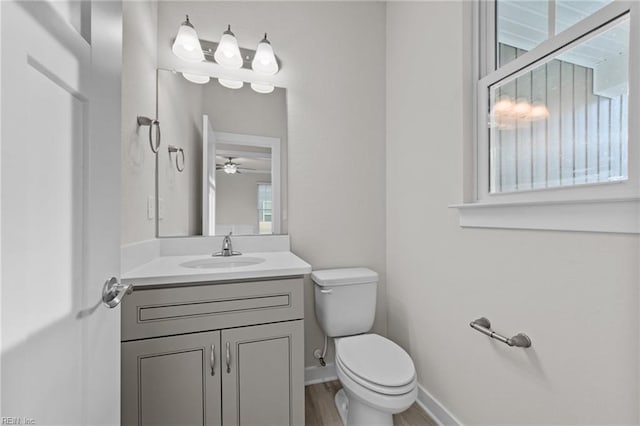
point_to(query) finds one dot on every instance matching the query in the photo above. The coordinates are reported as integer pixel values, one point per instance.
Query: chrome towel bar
(483, 325)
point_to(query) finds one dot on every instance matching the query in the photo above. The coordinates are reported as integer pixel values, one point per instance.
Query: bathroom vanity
(215, 340)
(214, 345)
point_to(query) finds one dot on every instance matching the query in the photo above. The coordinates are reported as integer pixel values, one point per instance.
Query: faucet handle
(227, 248)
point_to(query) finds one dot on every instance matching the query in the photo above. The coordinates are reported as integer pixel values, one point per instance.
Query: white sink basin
(222, 262)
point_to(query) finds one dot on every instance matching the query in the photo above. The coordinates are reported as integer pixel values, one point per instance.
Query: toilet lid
(376, 359)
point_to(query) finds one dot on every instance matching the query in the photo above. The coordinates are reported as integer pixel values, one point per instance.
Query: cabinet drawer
(187, 309)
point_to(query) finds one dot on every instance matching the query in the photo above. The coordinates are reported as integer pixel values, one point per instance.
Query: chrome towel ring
(178, 150)
(146, 121)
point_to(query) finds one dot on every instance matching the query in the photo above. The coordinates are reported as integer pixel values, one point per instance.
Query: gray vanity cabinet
(264, 383)
(172, 380)
(227, 354)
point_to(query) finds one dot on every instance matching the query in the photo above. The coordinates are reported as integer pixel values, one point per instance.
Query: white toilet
(378, 377)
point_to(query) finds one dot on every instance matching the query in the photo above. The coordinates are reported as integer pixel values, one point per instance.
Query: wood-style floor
(320, 409)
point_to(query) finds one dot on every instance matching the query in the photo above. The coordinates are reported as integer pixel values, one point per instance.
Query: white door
(208, 177)
(60, 204)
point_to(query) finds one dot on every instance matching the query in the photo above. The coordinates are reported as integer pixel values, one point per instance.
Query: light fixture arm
(187, 22)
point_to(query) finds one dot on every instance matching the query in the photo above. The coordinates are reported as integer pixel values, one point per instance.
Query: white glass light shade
(522, 109)
(231, 84)
(538, 112)
(504, 106)
(187, 45)
(196, 78)
(264, 61)
(227, 53)
(262, 87)
(230, 168)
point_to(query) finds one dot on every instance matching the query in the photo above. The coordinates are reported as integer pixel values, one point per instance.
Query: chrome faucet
(227, 248)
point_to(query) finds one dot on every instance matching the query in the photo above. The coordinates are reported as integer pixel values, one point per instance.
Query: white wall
(140, 23)
(180, 193)
(334, 72)
(574, 294)
(237, 198)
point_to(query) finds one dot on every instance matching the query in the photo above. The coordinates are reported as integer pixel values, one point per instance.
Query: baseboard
(435, 409)
(320, 374)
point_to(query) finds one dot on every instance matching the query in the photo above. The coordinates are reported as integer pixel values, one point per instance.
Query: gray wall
(575, 294)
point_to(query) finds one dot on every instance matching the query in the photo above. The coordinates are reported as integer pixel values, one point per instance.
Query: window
(554, 145)
(563, 121)
(265, 222)
(524, 24)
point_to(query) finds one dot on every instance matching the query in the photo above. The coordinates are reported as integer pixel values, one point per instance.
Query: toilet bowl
(378, 379)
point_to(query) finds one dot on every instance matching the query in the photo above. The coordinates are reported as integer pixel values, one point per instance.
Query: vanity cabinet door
(172, 380)
(263, 375)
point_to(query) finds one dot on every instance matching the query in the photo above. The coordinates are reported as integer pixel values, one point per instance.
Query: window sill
(611, 215)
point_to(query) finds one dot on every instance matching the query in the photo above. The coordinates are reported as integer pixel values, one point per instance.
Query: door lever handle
(113, 292)
(228, 358)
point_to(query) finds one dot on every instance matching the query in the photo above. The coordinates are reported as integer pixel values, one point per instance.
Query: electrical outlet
(151, 208)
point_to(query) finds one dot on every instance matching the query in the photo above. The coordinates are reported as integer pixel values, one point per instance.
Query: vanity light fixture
(262, 87)
(231, 84)
(196, 78)
(187, 44)
(228, 53)
(264, 61)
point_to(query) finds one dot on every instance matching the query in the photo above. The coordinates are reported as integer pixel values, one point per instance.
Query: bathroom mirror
(221, 166)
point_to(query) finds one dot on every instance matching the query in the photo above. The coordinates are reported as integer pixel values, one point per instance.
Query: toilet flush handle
(326, 290)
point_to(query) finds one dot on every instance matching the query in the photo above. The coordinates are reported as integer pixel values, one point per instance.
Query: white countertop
(168, 270)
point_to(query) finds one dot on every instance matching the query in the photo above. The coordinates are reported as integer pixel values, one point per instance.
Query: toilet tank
(345, 300)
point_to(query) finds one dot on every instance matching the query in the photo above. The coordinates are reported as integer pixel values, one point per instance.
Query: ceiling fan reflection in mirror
(230, 167)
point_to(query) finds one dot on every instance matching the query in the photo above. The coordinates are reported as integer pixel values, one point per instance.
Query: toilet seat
(376, 363)
(383, 403)
(373, 387)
